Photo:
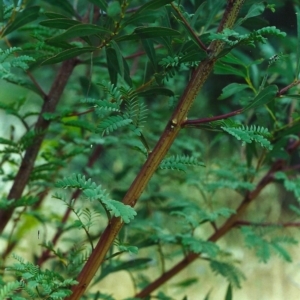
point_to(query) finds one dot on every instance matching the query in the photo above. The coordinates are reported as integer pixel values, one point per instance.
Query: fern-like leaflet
(95, 192)
(250, 134)
(292, 185)
(132, 116)
(229, 271)
(180, 162)
(233, 38)
(197, 245)
(36, 283)
(263, 243)
(111, 123)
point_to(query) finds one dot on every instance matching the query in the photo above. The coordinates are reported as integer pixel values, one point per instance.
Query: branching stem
(49, 106)
(171, 131)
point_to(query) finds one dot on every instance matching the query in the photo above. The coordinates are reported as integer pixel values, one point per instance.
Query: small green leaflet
(231, 89)
(265, 96)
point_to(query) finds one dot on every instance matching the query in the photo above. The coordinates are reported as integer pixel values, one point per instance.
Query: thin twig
(189, 123)
(189, 28)
(39, 88)
(285, 89)
(267, 224)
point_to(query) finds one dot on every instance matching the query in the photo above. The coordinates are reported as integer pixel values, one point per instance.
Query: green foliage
(263, 245)
(229, 271)
(179, 162)
(124, 93)
(292, 185)
(96, 193)
(36, 283)
(233, 38)
(250, 134)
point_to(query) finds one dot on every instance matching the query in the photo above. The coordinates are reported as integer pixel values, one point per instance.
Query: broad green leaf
(214, 10)
(225, 69)
(127, 37)
(150, 51)
(153, 32)
(228, 295)
(114, 9)
(79, 30)
(255, 10)
(266, 95)
(61, 44)
(64, 5)
(67, 54)
(127, 77)
(52, 15)
(101, 3)
(112, 64)
(194, 56)
(60, 23)
(197, 14)
(118, 57)
(22, 18)
(149, 16)
(120, 63)
(231, 89)
(154, 4)
(156, 91)
(232, 59)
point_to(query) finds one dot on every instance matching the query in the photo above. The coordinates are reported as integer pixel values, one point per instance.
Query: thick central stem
(168, 136)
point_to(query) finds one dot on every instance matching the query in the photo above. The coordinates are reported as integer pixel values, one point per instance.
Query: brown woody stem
(168, 136)
(230, 222)
(27, 164)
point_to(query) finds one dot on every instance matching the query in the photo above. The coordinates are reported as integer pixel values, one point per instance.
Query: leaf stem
(191, 123)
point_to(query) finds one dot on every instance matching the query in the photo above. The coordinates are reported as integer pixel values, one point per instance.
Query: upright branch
(41, 126)
(171, 131)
